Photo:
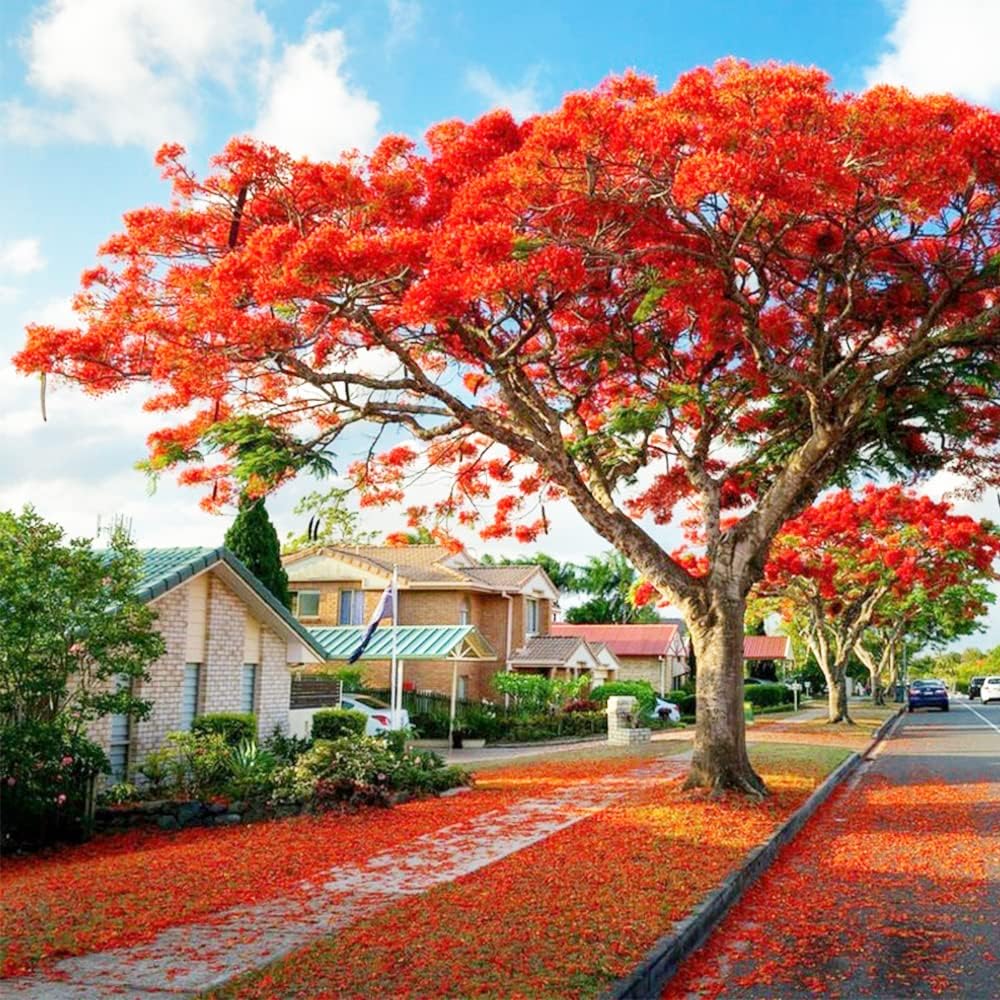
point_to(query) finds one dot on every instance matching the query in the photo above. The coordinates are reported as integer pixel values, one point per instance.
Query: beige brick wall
(274, 684)
(638, 668)
(221, 674)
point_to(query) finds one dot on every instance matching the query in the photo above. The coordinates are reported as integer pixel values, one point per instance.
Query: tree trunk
(837, 692)
(720, 758)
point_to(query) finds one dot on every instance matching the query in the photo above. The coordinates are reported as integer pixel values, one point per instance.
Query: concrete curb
(687, 935)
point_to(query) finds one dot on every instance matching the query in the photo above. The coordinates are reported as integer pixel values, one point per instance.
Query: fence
(432, 703)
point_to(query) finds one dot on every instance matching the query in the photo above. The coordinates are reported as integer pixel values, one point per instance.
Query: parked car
(990, 690)
(928, 694)
(974, 685)
(379, 713)
(667, 710)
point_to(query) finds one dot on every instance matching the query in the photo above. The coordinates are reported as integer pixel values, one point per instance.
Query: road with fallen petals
(892, 890)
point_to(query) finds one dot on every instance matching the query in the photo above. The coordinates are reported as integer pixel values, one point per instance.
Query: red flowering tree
(722, 295)
(886, 559)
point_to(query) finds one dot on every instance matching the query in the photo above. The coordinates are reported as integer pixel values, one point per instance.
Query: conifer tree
(253, 540)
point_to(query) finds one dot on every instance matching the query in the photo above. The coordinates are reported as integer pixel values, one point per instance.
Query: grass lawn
(567, 915)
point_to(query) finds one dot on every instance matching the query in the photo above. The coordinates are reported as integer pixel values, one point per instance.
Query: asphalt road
(892, 890)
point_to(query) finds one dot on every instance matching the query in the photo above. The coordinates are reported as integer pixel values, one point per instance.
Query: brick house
(230, 645)
(654, 653)
(340, 585)
(565, 657)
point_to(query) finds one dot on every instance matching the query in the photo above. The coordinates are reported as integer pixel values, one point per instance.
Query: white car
(379, 713)
(990, 691)
(667, 710)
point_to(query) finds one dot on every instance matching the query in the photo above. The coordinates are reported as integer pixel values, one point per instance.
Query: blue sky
(89, 88)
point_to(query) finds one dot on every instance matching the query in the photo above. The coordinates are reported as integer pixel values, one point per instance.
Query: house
(507, 605)
(761, 654)
(563, 657)
(230, 645)
(654, 653)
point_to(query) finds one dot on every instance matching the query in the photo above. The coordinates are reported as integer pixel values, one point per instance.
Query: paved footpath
(891, 890)
(185, 960)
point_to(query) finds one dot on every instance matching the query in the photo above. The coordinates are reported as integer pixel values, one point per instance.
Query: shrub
(189, 765)
(582, 705)
(334, 723)
(234, 727)
(766, 695)
(687, 704)
(479, 724)
(286, 749)
(430, 725)
(46, 780)
(363, 770)
(546, 727)
(249, 770)
(641, 690)
(119, 794)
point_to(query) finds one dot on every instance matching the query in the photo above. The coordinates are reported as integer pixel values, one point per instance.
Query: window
(352, 607)
(531, 616)
(189, 694)
(121, 735)
(465, 613)
(463, 688)
(248, 687)
(306, 603)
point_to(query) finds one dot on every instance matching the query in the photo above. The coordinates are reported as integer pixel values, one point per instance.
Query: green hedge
(549, 727)
(686, 703)
(234, 727)
(334, 723)
(766, 695)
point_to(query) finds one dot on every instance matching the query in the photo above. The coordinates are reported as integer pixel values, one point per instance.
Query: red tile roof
(767, 647)
(654, 640)
(623, 640)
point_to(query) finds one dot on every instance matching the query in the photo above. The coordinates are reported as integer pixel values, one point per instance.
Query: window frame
(122, 745)
(299, 613)
(185, 723)
(356, 610)
(254, 686)
(532, 609)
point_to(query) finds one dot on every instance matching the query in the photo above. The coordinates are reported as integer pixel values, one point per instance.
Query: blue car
(928, 694)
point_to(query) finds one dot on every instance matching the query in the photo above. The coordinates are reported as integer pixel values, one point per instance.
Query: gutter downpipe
(510, 636)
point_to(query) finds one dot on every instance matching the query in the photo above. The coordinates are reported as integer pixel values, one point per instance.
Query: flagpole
(394, 679)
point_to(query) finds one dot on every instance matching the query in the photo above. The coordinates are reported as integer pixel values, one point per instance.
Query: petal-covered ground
(125, 888)
(563, 917)
(892, 889)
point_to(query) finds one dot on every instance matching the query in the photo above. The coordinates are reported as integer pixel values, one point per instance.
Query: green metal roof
(413, 642)
(164, 569)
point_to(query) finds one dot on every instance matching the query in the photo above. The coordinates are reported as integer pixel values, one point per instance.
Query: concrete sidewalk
(189, 959)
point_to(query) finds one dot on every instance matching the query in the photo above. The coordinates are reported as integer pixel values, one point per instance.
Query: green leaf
(649, 302)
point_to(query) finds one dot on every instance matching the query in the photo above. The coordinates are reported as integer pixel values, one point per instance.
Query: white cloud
(935, 47)
(309, 108)
(8, 294)
(131, 71)
(521, 99)
(404, 16)
(21, 256)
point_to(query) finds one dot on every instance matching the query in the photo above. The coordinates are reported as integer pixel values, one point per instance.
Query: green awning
(413, 642)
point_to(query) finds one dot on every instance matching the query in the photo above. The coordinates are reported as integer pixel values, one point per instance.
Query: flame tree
(723, 296)
(886, 560)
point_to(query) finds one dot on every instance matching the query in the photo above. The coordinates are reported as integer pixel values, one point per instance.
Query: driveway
(892, 890)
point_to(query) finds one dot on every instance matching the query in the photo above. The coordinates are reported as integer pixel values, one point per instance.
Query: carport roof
(413, 642)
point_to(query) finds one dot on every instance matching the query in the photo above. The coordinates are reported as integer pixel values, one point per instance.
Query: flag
(383, 610)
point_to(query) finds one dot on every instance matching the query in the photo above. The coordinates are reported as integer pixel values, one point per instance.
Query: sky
(90, 88)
